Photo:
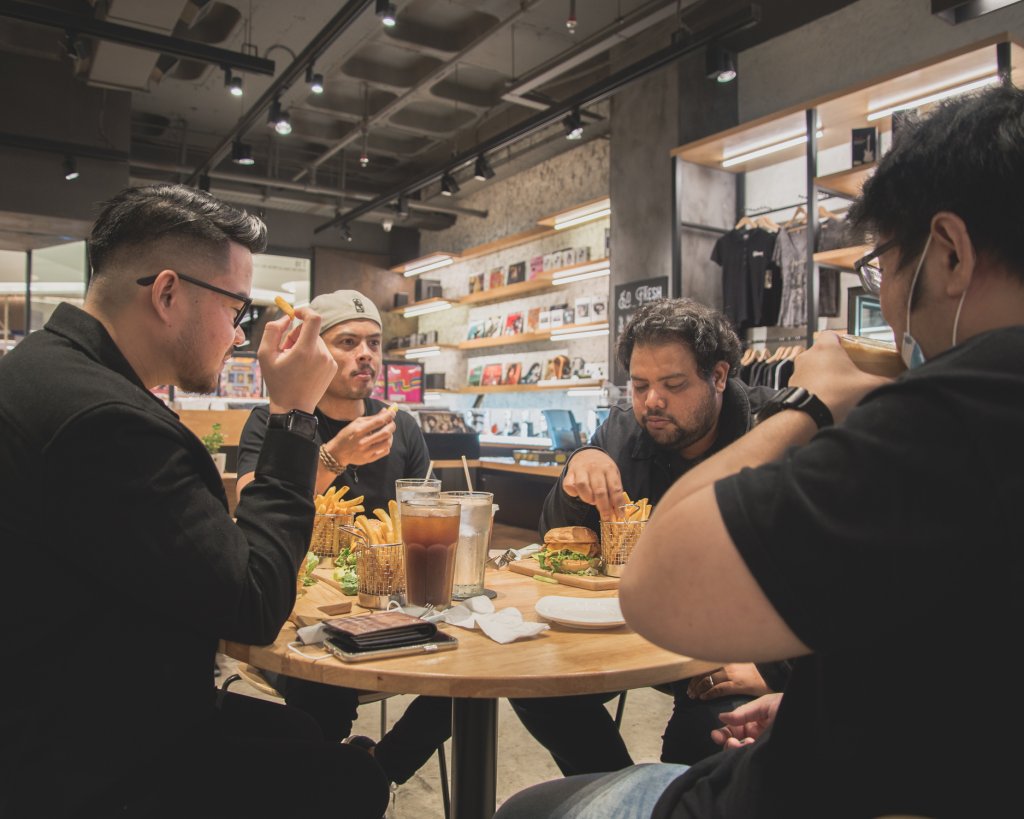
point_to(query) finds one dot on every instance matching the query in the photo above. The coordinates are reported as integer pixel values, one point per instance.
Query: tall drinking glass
(474, 541)
(411, 489)
(430, 536)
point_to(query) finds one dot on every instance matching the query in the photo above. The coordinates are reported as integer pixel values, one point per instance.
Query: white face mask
(910, 349)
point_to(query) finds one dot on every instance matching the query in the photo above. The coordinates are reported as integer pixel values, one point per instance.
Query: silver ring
(711, 682)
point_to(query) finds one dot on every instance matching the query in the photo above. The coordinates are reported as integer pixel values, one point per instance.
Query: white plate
(581, 612)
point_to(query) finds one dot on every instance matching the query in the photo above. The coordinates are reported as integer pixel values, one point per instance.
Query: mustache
(663, 415)
(362, 370)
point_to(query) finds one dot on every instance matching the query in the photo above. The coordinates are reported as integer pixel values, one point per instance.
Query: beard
(678, 436)
(190, 355)
(353, 389)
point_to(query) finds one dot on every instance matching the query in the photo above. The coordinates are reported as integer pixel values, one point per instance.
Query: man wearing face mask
(679, 355)
(366, 447)
(872, 529)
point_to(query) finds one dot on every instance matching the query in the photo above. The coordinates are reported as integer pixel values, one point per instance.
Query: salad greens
(345, 573)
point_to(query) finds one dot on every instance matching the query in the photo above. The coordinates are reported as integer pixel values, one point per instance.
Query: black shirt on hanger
(746, 258)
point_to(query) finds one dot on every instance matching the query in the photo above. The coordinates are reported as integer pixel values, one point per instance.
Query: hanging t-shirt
(791, 257)
(746, 259)
(831, 236)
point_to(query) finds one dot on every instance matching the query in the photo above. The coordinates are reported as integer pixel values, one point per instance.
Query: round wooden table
(558, 662)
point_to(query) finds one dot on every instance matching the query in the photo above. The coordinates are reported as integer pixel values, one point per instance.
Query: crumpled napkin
(503, 626)
(502, 559)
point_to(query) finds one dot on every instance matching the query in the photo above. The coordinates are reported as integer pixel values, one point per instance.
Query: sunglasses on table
(240, 312)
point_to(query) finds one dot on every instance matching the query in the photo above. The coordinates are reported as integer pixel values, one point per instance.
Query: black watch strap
(797, 398)
(297, 421)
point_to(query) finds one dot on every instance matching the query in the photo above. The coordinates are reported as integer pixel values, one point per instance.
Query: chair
(619, 709)
(254, 677)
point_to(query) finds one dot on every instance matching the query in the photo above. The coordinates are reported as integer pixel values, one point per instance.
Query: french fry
(393, 408)
(285, 306)
(385, 521)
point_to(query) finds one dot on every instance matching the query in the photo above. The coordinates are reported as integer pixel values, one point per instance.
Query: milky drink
(430, 531)
(474, 541)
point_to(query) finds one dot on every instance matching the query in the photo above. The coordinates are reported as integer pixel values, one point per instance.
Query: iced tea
(430, 532)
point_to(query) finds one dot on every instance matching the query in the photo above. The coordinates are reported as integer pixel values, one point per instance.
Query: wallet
(379, 630)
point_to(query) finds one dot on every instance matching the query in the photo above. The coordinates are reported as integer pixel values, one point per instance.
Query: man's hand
(364, 440)
(728, 681)
(594, 478)
(827, 371)
(298, 369)
(745, 724)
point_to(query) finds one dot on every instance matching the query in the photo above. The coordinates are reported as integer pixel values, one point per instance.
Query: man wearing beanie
(367, 448)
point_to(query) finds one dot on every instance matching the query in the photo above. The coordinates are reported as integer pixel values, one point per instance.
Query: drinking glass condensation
(430, 534)
(474, 541)
(411, 489)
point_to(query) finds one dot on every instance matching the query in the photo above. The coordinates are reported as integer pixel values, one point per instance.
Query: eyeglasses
(239, 314)
(869, 270)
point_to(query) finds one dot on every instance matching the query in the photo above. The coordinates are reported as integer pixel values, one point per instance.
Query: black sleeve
(151, 491)
(416, 457)
(716, 251)
(251, 440)
(775, 675)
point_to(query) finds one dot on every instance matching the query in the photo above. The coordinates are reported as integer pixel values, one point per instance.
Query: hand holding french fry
(296, 366)
(364, 440)
(593, 477)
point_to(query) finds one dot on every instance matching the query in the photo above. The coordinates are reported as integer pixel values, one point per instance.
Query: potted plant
(213, 442)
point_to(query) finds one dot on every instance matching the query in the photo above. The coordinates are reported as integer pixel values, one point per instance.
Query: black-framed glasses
(869, 270)
(239, 314)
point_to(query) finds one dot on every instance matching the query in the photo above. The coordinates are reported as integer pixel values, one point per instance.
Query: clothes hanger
(747, 357)
(799, 217)
(794, 351)
(766, 223)
(825, 214)
(745, 222)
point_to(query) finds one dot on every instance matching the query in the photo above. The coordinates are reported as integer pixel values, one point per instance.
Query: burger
(570, 550)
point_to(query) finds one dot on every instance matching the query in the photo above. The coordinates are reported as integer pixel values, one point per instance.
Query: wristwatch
(797, 398)
(295, 421)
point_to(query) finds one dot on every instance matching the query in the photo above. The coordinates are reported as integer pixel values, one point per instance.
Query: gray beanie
(344, 305)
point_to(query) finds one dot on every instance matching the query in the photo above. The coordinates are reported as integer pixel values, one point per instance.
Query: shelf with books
(567, 331)
(566, 384)
(546, 280)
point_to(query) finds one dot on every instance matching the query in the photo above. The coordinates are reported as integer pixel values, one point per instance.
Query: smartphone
(439, 642)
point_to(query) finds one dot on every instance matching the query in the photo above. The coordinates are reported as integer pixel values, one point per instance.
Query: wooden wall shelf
(525, 338)
(843, 257)
(846, 183)
(563, 385)
(510, 291)
(401, 310)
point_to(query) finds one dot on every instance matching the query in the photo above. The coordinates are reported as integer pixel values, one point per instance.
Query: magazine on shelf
(531, 373)
(582, 309)
(475, 375)
(492, 375)
(544, 320)
(496, 278)
(475, 330)
(492, 326)
(558, 315)
(582, 255)
(536, 266)
(533, 320)
(513, 372)
(513, 324)
(442, 421)
(516, 273)
(476, 283)
(599, 309)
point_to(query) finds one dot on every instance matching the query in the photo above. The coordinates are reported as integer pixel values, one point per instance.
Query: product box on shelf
(516, 273)
(558, 314)
(427, 289)
(533, 320)
(582, 255)
(599, 309)
(544, 320)
(536, 266)
(496, 278)
(513, 324)
(864, 145)
(582, 308)
(476, 282)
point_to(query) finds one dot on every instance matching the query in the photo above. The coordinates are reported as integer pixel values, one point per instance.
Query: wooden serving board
(326, 575)
(594, 583)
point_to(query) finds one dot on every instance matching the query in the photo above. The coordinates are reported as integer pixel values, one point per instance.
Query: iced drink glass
(411, 489)
(430, 536)
(474, 541)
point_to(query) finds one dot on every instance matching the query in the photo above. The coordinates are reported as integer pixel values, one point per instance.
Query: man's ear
(720, 375)
(957, 254)
(164, 291)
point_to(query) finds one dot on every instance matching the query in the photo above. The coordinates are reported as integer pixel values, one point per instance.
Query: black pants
(424, 726)
(582, 737)
(253, 758)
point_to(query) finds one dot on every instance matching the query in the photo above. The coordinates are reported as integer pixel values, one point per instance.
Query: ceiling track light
(279, 119)
(241, 153)
(385, 10)
(570, 21)
(233, 83)
(573, 125)
(346, 232)
(449, 187)
(483, 170)
(402, 206)
(719, 64)
(314, 81)
(70, 169)
(364, 157)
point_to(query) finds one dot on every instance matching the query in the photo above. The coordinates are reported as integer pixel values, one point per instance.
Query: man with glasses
(102, 483)
(870, 528)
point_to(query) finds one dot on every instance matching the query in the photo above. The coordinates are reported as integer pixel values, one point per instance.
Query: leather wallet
(379, 630)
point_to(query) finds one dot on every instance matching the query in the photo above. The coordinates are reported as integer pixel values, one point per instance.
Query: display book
(526, 269)
(534, 368)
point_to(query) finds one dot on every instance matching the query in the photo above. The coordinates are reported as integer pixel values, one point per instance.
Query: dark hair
(682, 321)
(967, 158)
(142, 216)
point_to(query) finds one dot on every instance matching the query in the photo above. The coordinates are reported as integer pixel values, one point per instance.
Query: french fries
(331, 502)
(285, 306)
(632, 510)
(393, 408)
(381, 528)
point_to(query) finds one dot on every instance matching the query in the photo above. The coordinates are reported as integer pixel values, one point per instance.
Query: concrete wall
(853, 45)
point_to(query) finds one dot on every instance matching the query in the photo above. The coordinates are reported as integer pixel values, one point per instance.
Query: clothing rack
(704, 228)
(761, 210)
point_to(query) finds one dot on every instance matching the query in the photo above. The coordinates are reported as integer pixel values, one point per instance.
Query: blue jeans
(631, 793)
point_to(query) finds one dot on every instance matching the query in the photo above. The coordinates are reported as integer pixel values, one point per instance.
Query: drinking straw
(465, 468)
(430, 468)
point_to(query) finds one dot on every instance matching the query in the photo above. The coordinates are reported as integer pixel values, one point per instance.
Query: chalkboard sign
(628, 299)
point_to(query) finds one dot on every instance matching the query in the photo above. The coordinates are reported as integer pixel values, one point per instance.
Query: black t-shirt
(746, 259)
(892, 547)
(375, 481)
